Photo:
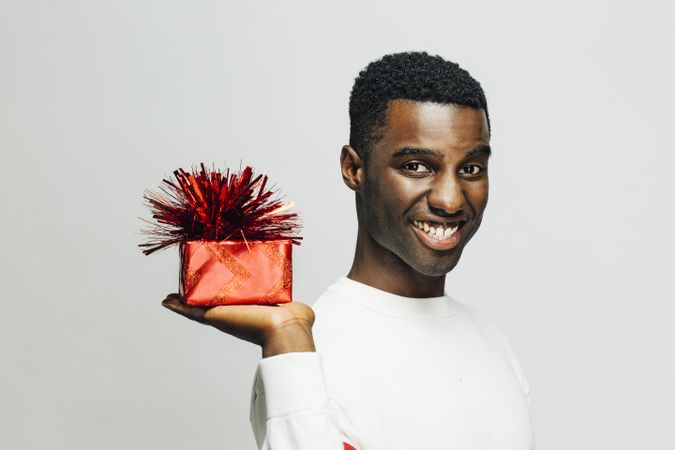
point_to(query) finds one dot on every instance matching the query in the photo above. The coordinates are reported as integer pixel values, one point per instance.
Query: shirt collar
(389, 304)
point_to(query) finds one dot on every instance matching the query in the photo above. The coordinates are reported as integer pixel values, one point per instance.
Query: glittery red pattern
(236, 272)
(209, 205)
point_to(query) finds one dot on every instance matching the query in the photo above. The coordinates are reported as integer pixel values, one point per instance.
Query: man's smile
(438, 235)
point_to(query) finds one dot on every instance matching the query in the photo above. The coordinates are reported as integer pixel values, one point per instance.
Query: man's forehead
(409, 120)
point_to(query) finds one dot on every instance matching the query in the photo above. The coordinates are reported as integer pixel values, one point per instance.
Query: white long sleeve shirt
(393, 373)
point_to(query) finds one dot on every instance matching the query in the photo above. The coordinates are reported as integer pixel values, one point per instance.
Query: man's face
(426, 183)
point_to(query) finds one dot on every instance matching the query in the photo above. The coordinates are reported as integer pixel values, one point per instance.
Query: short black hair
(415, 76)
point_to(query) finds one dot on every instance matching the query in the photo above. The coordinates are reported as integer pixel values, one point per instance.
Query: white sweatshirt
(393, 373)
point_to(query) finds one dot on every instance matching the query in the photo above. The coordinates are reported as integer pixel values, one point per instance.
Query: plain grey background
(100, 100)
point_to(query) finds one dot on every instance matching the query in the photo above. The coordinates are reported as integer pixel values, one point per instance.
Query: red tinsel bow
(209, 205)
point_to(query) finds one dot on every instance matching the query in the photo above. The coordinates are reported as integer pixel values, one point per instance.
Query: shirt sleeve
(290, 406)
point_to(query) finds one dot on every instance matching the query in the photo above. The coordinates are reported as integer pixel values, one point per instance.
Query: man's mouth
(438, 235)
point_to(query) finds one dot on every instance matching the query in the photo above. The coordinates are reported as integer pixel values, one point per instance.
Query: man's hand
(276, 328)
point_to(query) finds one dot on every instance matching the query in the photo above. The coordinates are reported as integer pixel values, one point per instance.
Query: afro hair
(415, 76)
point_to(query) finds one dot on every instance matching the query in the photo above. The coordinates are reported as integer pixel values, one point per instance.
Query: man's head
(417, 160)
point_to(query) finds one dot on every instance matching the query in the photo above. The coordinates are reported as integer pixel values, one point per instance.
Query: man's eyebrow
(481, 149)
(406, 151)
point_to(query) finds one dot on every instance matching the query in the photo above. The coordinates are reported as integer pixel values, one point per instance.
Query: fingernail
(166, 302)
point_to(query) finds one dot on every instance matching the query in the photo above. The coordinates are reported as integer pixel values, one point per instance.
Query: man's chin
(436, 267)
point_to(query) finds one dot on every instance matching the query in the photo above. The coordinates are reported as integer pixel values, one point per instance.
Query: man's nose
(447, 196)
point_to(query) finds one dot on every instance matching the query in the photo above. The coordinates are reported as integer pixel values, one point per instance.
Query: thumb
(174, 303)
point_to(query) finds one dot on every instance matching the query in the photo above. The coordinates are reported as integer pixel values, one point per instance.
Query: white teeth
(439, 232)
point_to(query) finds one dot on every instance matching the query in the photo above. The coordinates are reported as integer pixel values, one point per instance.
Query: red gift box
(235, 236)
(236, 272)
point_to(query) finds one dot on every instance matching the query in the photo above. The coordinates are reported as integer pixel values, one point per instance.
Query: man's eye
(416, 167)
(471, 169)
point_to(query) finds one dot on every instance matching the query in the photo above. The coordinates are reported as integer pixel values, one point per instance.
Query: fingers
(175, 303)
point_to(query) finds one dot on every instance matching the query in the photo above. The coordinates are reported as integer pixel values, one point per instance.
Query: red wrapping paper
(236, 272)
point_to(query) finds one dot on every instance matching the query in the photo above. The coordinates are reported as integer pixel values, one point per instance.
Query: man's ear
(353, 169)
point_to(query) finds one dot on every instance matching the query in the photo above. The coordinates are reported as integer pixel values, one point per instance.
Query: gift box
(236, 272)
(235, 237)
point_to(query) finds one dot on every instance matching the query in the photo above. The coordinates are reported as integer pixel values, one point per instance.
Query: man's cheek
(479, 197)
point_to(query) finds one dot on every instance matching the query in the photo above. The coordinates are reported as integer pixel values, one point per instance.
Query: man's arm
(290, 409)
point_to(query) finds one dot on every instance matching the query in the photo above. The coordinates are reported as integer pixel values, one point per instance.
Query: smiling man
(386, 360)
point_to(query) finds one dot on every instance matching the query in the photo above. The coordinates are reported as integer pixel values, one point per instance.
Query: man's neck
(379, 268)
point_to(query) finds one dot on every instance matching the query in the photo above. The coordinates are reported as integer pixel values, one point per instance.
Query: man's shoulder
(330, 308)
(486, 324)
(495, 339)
(339, 322)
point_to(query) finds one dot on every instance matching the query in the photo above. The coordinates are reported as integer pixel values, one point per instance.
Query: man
(393, 362)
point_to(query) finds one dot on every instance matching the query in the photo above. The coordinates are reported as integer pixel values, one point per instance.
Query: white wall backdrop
(101, 99)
